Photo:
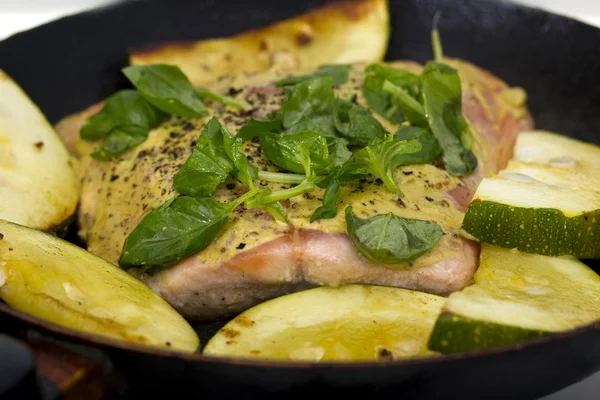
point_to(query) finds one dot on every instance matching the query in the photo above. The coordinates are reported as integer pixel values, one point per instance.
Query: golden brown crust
(339, 32)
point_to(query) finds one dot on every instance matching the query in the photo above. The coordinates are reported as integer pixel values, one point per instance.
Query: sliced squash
(353, 322)
(38, 183)
(547, 200)
(517, 296)
(339, 32)
(551, 149)
(56, 281)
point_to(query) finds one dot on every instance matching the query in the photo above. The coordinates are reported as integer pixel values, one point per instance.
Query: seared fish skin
(254, 257)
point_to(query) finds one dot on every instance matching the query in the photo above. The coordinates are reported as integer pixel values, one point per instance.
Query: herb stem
(243, 198)
(391, 112)
(404, 97)
(280, 177)
(304, 187)
(227, 100)
(438, 52)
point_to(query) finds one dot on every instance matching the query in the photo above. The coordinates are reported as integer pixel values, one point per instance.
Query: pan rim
(104, 341)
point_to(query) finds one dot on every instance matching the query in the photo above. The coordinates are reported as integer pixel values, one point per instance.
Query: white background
(18, 15)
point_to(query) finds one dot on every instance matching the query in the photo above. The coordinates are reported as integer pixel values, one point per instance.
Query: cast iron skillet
(74, 62)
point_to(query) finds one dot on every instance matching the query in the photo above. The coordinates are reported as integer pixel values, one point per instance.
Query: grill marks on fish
(276, 259)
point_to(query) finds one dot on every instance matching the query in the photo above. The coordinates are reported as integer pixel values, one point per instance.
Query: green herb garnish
(203, 93)
(390, 239)
(118, 141)
(407, 103)
(270, 201)
(356, 124)
(177, 229)
(281, 151)
(255, 127)
(124, 121)
(338, 150)
(125, 110)
(379, 158)
(209, 164)
(430, 146)
(442, 97)
(167, 88)
(379, 99)
(330, 201)
(337, 72)
(309, 105)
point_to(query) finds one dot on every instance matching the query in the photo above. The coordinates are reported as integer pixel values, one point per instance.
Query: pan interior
(556, 60)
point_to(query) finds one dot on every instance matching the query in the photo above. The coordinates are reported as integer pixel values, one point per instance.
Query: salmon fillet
(254, 257)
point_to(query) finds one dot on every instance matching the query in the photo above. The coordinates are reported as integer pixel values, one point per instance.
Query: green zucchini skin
(543, 231)
(455, 334)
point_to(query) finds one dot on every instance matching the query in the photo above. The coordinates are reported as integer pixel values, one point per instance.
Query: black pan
(74, 62)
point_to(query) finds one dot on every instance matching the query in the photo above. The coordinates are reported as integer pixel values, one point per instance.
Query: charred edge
(350, 9)
(157, 47)
(229, 333)
(243, 321)
(303, 38)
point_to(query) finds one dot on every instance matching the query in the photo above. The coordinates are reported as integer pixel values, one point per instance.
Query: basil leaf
(378, 99)
(255, 127)
(322, 124)
(281, 150)
(356, 123)
(379, 158)
(203, 93)
(209, 164)
(245, 172)
(330, 201)
(118, 141)
(410, 107)
(442, 97)
(390, 239)
(430, 147)
(309, 106)
(125, 109)
(176, 230)
(167, 88)
(338, 151)
(337, 72)
(276, 115)
(395, 75)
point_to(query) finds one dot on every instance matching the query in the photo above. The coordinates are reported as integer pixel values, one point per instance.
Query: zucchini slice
(551, 149)
(352, 322)
(517, 296)
(547, 200)
(59, 282)
(38, 183)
